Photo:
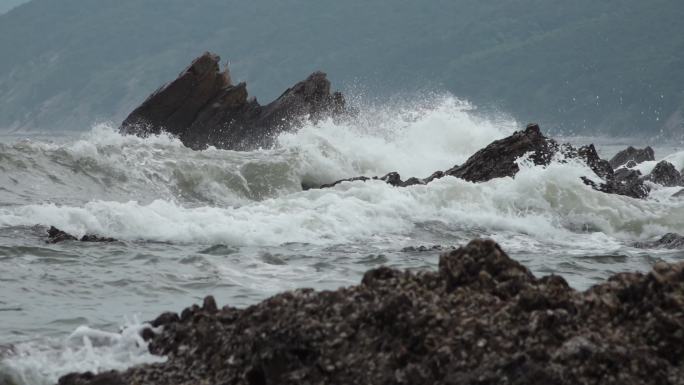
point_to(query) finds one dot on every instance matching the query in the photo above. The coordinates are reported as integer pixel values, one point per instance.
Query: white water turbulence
(84, 350)
(239, 225)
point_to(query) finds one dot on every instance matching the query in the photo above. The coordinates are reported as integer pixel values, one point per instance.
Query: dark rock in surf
(203, 108)
(625, 182)
(668, 241)
(632, 154)
(630, 164)
(105, 378)
(423, 248)
(591, 157)
(392, 178)
(56, 235)
(665, 174)
(498, 159)
(482, 318)
(96, 238)
(678, 194)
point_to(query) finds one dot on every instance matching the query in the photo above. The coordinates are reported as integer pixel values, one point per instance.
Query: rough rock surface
(665, 174)
(668, 241)
(202, 107)
(482, 318)
(56, 235)
(632, 154)
(498, 159)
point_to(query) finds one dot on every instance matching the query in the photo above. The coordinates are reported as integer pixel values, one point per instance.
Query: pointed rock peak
(204, 63)
(533, 128)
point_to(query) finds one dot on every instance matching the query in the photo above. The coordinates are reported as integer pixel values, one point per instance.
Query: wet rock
(632, 154)
(498, 158)
(203, 108)
(56, 235)
(678, 194)
(88, 378)
(668, 241)
(601, 167)
(665, 174)
(482, 318)
(626, 182)
(95, 238)
(423, 248)
(392, 178)
(630, 164)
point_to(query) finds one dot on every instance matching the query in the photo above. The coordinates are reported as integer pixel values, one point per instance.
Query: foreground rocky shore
(482, 318)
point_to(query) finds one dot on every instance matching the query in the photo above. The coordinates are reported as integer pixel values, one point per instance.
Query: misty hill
(615, 66)
(6, 5)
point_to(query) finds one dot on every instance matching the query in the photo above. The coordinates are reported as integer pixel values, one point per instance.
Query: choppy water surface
(239, 226)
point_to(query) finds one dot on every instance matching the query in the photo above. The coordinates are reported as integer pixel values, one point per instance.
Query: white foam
(546, 203)
(677, 160)
(415, 141)
(86, 349)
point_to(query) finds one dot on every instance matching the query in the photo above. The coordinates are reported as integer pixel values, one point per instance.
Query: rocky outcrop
(668, 241)
(482, 318)
(632, 154)
(56, 235)
(665, 174)
(203, 108)
(499, 158)
(626, 182)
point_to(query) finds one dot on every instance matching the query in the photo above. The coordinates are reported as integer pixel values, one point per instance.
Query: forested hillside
(609, 67)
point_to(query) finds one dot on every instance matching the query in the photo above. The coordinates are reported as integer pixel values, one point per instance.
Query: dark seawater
(238, 226)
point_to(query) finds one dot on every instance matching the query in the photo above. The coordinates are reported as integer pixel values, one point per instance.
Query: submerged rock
(498, 159)
(678, 194)
(668, 241)
(665, 174)
(56, 235)
(632, 154)
(203, 108)
(482, 318)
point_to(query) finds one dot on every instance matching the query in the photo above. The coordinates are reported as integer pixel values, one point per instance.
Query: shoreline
(481, 318)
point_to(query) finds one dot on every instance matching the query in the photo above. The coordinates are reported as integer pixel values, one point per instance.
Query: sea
(239, 226)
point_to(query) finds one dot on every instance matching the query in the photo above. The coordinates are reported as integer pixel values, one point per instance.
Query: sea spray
(42, 362)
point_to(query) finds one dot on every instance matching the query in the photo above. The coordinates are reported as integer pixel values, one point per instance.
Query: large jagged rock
(483, 318)
(498, 159)
(632, 154)
(202, 107)
(665, 174)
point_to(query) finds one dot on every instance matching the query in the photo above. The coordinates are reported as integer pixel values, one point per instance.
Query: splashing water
(239, 226)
